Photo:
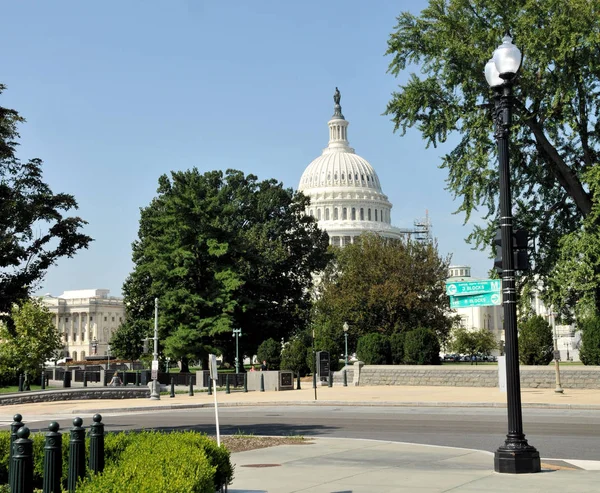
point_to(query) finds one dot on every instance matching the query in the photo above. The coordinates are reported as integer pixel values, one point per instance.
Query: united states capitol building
(345, 192)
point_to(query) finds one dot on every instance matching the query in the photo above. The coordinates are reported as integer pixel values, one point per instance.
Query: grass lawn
(15, 388)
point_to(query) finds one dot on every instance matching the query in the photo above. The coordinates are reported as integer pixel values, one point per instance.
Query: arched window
(344, 213)
(369, 214)
(82, 355)
(335, 213)
(74, 355)
(343, 175)
(312, 214)
(335, 176)
(318, 214)
(356, 176)
(362, 177)
(376, 215)
(327, 214)
(362, 214)
(353, 214)
(368, 178)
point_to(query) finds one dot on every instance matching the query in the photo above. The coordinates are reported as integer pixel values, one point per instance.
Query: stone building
(86, 320)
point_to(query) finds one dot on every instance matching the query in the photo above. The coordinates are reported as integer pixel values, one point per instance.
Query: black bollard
(210, 384)
(298, 387)
(85, 378)
(67, 379)
(43, 380)
(52, 459)
(191, 391)
(245, 382)
(76, 454)
(172, 387)
(330, 381)
(137, 378)
(262, 382)
(20, 382)
(22, 463)
(314, 380)
(97, 444)
(14, 427)
(345, 379)
(227, 390)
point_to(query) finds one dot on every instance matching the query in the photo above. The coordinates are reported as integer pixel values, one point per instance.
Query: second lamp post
(345, 327)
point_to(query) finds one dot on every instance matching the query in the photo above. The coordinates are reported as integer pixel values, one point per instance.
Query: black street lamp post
(237, 333)
(516, 455)
(345, 327)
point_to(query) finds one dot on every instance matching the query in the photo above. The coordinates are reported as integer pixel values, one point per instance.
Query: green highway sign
(485, 299)
(469, 288)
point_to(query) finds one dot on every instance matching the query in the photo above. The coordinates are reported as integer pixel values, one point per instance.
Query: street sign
(486, 299)
(154, 368)
(212, 366)
(469, 288)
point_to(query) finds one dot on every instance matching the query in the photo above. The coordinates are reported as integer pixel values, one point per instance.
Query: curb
(174, 407)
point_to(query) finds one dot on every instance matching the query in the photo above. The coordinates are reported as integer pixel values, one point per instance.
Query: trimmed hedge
(374, 349)
(151, 461)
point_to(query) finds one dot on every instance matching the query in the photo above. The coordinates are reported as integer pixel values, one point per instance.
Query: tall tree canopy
(555, 139)
(381, 285)
(223, 251)
(34, 231)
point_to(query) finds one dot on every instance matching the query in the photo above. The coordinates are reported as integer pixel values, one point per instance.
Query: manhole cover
(261, 465)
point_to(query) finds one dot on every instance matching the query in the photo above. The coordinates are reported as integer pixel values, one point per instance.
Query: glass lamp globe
(507, 58)
(491, 74)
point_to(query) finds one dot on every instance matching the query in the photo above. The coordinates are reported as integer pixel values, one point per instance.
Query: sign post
(212, 366)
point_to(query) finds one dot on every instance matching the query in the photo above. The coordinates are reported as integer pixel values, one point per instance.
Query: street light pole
(237, 333)
(516, 455)
(345, 327)
(558, 389)
(155, 391)
(107, 357)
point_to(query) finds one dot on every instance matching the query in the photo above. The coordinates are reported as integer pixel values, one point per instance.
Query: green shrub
(536, 344)
(421, 347)
(373, 349)
(397, 347)
(270, 351)
(155, 463)
(590, 341)
(293, 357)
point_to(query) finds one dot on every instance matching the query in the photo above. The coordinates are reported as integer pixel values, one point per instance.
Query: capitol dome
(344, 189)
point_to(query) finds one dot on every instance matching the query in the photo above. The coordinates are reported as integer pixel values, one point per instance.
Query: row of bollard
(227, 385)
(329, 380)
(20, 465)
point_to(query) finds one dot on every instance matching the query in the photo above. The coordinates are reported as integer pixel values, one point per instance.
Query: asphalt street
(566, 434)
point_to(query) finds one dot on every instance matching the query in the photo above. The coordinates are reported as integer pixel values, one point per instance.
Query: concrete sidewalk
(337, 395)
(333, 465)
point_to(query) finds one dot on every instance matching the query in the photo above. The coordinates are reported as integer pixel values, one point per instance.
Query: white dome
(339, 169)
(344, 189)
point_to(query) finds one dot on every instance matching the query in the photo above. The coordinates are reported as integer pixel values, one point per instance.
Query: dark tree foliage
(294, 356)
(421, 347)
(34, 231)
(224, 250)
(382, 285)
(535, 341)
(397, 347)
(269, 351)
(374, 349)
(127, 341)
(556, 133)
(590, 341)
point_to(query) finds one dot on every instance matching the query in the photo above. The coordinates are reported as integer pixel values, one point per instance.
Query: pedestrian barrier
(20, 465)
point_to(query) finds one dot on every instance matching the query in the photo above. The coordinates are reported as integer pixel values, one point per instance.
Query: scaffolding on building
(421, 231)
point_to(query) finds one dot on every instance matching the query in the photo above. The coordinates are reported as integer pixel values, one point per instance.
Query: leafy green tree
(535, 341)
(293, 356)
(397, 347)
(556, 138)
(34, 232)
(473, 342)
(224, 250)
(127, 341)
(589, 353)
(421, 347)
(270, 351)
(33, 341)
(385, 286)
(374, 349)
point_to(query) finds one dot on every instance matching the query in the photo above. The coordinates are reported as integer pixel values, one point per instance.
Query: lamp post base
(521, 460)
(155, 390)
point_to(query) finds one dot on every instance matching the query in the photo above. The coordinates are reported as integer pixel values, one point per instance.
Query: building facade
(86, 319)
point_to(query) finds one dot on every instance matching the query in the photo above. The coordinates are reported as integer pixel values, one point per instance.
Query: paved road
(565, 434)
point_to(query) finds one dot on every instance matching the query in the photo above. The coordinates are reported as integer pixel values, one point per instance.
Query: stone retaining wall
(75, 394)
(572, 377)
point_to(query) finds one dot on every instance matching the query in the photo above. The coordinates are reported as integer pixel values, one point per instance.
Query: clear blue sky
(117, 93)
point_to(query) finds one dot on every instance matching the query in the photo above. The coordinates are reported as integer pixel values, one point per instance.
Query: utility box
(323, 366)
